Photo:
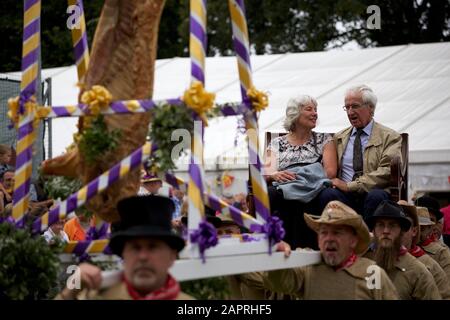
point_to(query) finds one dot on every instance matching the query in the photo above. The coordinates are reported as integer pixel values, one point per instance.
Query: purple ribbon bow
(205, 236)
(273, 228)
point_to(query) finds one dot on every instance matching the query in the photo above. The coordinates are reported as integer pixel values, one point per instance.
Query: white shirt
(49, 235)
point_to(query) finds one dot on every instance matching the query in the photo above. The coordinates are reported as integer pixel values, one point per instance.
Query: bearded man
(411, 278)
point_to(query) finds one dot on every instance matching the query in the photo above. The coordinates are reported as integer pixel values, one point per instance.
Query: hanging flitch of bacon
(122, 60)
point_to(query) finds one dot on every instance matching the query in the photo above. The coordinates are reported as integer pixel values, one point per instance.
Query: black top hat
(145, 216)
(431, 204)
(389, 209)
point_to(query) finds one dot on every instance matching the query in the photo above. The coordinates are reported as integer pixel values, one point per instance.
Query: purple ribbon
(9, 220)
(101, 233)
(273, 228)
(205, 236)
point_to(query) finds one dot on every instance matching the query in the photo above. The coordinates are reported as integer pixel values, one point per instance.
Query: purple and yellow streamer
(242, 48)
(197, 40)
(80, 42)
(28, 87)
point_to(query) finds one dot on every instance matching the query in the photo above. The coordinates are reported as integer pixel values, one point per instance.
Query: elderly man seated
(364, 152)
(148, 247)
(342, 274)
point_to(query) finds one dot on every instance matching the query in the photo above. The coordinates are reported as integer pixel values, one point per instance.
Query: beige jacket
(441, 254)
(322, 282)
(384, 143)
(116, 292)
(440, 278)
(247, 286)
(413, 280)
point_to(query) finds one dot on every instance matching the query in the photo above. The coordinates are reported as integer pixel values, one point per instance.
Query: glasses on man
(354, 106)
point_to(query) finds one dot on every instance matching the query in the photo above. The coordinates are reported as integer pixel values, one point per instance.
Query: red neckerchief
(168, 292)
(402, 251)
(416, 251)
(431, 238)
(347, 263)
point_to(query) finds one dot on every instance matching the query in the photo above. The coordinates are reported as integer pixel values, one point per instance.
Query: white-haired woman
(300, 146)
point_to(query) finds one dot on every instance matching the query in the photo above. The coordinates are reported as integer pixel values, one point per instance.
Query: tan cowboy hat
(337, 213)
(411, 211)
(424, 217)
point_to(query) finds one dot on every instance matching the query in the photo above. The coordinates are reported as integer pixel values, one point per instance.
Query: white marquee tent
(412, 83)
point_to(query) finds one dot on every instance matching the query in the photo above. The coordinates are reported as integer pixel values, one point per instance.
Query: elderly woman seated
(286, 160)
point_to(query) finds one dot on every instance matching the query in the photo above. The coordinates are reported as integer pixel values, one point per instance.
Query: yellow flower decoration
(97, 99)
(30, 108)
(199, 100)
(13, 113)
(259, 99)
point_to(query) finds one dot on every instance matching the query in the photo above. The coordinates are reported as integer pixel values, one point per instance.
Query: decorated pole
(197, 40)
(24, 105)
(79, 40)
(201, 232)
(255, 100)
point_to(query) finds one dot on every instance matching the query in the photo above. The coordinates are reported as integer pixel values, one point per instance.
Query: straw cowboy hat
(337, 213)
(431, 204)
(424, 217)
(411, 211)
(145, 216)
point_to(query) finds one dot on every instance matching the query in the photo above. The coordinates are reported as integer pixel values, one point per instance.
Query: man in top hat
(411, 278)
(342, 274)
(410, 239)
(440, 253)
(435, 213)
(150, 184)
(148, 247)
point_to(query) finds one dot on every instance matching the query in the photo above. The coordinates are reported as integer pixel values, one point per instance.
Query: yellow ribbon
(31, 107)
(259, 99)
(97, 99)
(199, 100)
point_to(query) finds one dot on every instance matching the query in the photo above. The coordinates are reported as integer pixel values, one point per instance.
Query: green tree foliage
(207, 289)
(408, 21)
(29, 267)
(274, 26)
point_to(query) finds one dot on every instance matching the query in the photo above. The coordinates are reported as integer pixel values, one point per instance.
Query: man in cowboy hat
(245, 286)
(410, 239)
(342, 274)
(428, 242)
(435, 213)
(411, 278)
(150, 184)
(148, 247)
